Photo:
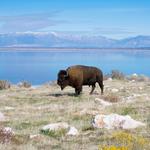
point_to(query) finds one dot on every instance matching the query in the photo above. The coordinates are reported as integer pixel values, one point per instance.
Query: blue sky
(110, 18)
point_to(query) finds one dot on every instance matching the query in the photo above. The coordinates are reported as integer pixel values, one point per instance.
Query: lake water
(39, 67)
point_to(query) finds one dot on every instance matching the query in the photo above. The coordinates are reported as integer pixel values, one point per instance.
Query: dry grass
(111, 97)
(32, 108)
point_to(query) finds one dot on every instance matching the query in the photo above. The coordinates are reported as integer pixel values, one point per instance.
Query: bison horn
(66, 74)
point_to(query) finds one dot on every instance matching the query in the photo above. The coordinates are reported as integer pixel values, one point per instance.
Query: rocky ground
(27, 110)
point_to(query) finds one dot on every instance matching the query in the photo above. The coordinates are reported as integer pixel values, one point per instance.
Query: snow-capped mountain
(135, 42)
(39, 39)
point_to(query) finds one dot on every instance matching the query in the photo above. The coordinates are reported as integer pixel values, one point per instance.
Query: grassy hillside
(27, 110)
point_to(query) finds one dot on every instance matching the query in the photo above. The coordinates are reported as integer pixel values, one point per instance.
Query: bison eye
(60, 80)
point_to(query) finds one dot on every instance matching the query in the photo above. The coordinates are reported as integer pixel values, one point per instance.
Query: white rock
(109, 79)
(9, 108)
(132, 80)
(131, 123)
(8, 130)
(56, 126)
(73, 131)
(122, 88)
(134, 75)
(2, 117)
(107, 86)
(35, 87)
(102, 102)
(140, 88)
(32, 136)
(114, 90)
(136, 95)
(115, 121)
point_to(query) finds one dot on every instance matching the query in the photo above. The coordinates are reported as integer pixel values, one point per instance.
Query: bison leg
(93, 87)
(78, 90)
(101, 86)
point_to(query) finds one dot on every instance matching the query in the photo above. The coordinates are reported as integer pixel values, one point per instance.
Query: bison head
(62, 80)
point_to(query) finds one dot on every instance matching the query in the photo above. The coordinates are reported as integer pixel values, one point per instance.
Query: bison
(79, 75)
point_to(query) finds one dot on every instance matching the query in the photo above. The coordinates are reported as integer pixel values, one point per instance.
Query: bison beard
(77, 76)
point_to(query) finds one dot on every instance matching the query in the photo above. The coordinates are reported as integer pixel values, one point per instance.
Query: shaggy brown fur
(79, 75)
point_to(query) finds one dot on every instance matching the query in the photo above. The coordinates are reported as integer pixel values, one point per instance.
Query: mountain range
(52, 39)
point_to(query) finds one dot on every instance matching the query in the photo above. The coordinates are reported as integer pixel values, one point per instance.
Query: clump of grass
(115, 74)
(54, 134)
(20, 139)
(4, 84)
(111, 97)
(23, 125)
(24, 84)
(84, 117)
(87, 128)
(128, 110)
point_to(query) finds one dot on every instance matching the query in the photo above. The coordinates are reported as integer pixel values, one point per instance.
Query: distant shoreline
(62, 48)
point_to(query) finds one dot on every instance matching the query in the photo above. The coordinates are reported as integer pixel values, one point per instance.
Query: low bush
(24, 84)
(4, 84)
(113, 98)
(122, 140)
(5, 136)
(115, 74)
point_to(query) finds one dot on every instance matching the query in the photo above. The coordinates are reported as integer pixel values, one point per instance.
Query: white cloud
(114, 30)
(28, 22)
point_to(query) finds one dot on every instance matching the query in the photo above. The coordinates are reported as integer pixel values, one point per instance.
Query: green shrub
(54, 134)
